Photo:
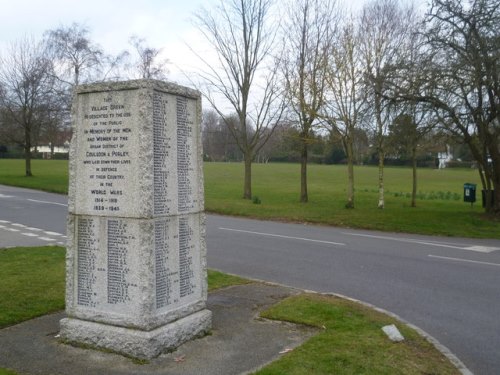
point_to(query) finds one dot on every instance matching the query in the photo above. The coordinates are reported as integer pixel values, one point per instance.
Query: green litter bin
(469, 192)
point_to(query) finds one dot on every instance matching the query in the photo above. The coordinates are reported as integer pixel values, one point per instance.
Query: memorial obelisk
(136, 258)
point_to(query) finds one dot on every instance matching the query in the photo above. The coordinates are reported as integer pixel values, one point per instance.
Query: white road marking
(5, 196)
(281, 236)
(33, 232)
(463, 260)
(4, 221)
(30, 234)
(34, 229)
(482, 249)
(58, 204)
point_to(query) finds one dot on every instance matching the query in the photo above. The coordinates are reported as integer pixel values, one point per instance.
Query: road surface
(450, 287)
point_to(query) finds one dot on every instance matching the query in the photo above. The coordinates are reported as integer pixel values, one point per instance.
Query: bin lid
(469, 185)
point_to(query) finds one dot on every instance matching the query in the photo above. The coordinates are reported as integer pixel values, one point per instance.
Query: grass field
(350, 340)
(440, 208)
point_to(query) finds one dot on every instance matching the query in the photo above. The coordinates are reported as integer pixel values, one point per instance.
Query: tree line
(311, 67)
(296, 74)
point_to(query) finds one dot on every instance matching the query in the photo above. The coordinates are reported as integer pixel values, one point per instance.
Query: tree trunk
(381, 202)
(303, 172)
(496, 199)
(414, 185)
(350, 174)
(247, 187)
(27, 152)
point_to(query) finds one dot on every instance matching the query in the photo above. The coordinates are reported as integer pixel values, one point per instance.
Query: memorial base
(134, 342)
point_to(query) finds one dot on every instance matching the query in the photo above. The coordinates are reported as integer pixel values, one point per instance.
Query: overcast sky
(164, 24)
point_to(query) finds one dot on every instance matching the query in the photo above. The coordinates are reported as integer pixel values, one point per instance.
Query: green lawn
(440, 208)
(350, 339)
(32, 283)
(48, 175)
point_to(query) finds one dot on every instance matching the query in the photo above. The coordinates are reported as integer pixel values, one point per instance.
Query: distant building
(47, 152)
(445, 157)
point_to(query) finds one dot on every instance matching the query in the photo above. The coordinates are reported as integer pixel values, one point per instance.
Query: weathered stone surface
(137, 143)
(136, 259)
(136, 343)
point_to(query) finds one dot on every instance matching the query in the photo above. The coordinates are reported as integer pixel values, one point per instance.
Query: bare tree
(76, 56)
(27, 81)
(308, 39)
(406, 134)
(218, 143)
(459, 77)
(344, 109)
(148, 64)
(246, 73)
(464, 41)
(386, 26)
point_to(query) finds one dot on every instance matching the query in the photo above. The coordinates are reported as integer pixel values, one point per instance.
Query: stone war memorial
(136, 260)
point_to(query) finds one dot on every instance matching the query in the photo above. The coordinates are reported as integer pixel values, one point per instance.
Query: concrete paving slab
(240, 342)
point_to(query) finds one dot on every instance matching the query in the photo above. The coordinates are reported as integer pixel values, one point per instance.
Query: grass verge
(32, 283)
(351, 341)
(217, 280)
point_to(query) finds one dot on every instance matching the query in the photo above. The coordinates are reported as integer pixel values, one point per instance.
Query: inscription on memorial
(119, 240)
(106, 157)
(167, 277)
(88, 247)
(186, 250)
(162, 141)
(185, 167)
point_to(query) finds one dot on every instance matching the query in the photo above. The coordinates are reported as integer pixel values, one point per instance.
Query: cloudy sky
(165, 24)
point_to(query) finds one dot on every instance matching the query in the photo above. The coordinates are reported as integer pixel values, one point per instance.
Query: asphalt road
(450, 287)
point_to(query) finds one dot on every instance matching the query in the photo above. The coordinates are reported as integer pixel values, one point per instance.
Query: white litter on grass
(393, 333)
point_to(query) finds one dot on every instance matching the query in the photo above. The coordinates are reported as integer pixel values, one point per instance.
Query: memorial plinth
(136, 256)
